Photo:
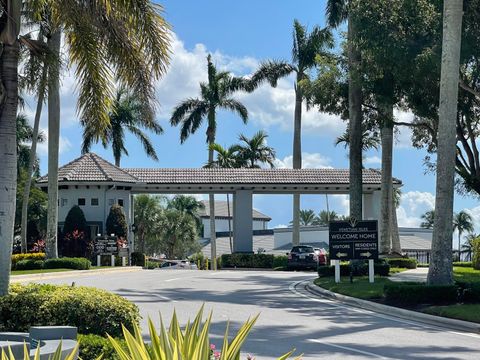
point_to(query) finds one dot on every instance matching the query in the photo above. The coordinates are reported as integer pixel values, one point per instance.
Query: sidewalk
(413, 275)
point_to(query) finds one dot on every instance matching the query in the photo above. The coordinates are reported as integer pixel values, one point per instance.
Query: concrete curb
(62, 274)
(454, 324)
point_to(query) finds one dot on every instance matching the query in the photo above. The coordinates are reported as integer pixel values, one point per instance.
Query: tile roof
(221, 211)
(91, 168)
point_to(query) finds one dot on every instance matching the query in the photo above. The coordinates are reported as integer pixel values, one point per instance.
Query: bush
(406, 263)
(469, 291)
(150, 265)
(264, 261)
(117, 222)
(476, 253)
(138, 258)
(361, 269)
(68, 263)
(280, 261)
(462, 263)
(92, 346)
(92, 311)
(30, 264)
(30, 256)
(413, 294)
(75, 241)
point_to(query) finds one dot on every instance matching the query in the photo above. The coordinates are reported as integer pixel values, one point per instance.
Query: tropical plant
(307, 218)
(191, 343)
(75, 239)
(188, 205)
(469, 244)
(305, 49)
(324, 217)
(57, 355)
(126, 114)
(147, 210)
(255, 152)
(462, 221)
(428, 219)
(117, 222)
(191, 113)
(440, 270)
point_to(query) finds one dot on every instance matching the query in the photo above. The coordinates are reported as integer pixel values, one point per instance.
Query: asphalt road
(290, 316)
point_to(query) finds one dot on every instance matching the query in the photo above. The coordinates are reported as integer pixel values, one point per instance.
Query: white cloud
(372, 160)
(404, 133)
(309, 160)
(412, 205)
(342, 201)
(281, 226)
(63, 146)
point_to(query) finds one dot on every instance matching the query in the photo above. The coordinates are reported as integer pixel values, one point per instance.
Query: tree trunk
(297, 161)
(117, 161)
(386, 205)
(396, 245)
(229, 224)
(440, 269)
(355, 125)
(8, 157)
(53, 147)
(33, 155)
(459, 241)
(211, 197)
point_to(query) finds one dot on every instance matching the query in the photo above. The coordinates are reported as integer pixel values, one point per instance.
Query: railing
(423, 256)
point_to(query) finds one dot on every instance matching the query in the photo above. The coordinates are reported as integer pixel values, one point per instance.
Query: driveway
(290, 316)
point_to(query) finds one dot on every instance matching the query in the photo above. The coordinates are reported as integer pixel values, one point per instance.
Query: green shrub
(469, 291)
(138, 258)
(29, 264)
(198, 259)
(406, 263)
(361, 269)
(68, 263)
(280, 261)
(92, 311)
(30, 256)
(74, 241)
(150, 265)
(117, 222)
(264, 261)
(412, 294)
(476, 253)
(462, 263)
(92, 346)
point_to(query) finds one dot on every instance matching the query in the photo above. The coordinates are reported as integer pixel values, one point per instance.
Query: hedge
(92, 311)
(462, 263)
(30, 256)
(92, 346)
(381, 269)
(414, 294)
(30, 264)
(264, 261)
(469, 291)
(280, 261)
(138, 258)
(60, 263)
(406, 263)
(476, 253)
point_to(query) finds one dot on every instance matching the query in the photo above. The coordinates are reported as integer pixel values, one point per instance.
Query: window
(120, 202)
(111, 202)
(64, 202)
(81, 201)
(94, 202)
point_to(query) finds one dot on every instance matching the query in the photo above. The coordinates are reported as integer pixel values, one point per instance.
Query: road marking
(333, 303)
(349, 349)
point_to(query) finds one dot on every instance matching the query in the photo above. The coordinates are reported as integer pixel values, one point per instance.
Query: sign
(106, 245)
(353, 240)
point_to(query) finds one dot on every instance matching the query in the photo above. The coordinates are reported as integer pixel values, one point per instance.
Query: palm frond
(271, 71)
(147, 144)
(337, 12)
(235, 106)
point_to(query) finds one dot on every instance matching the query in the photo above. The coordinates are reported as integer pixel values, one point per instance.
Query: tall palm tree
(325, 216)
(306, 46)
(428, 219)
(440, 269)
(192, 112)
(462, 221)
(468, 245)
(126, 114)
(188, 205)
(147, 210)
(255, 151)
(337, 13)
(307, 218)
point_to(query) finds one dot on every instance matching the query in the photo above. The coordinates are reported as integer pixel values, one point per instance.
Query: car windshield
(302, 249)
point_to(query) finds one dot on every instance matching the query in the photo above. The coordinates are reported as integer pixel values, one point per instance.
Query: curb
(62, 274)
(454, 324)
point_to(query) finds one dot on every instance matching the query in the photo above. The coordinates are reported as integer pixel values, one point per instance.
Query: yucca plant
(8, 354)
(190, 344)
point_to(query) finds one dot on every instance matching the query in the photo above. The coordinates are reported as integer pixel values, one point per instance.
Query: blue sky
(240, 34)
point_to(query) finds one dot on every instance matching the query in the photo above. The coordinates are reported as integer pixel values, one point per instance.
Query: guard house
(95, 185)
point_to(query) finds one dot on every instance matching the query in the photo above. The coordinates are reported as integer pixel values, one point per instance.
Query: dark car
(306, 257)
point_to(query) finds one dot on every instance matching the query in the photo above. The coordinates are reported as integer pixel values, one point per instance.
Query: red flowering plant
(39, 246)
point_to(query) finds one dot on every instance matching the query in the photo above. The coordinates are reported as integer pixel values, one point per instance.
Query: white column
(242, 221)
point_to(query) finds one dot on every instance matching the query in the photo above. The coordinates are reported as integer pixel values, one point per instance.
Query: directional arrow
(340, 255)
(366, 254)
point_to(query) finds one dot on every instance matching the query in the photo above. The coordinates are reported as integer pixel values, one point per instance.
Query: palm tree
(147, 210)
(307, 218)
(305, 49)
(462, 221)
(188, 205)
(255, 151)
(126, 114)
(191, 113)
(428, 219)
(468, 245)
(440, 269)
(337, 13)
(324, 217)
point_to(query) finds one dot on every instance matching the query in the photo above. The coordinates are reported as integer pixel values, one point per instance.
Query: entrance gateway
(95, 185)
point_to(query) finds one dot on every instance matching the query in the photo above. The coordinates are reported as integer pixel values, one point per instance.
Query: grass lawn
(360, 288)
(395, 270)
(38, 271)
(469, 312)
(466, 274)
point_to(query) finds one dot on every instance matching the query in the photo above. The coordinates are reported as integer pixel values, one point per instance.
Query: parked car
(306, 257)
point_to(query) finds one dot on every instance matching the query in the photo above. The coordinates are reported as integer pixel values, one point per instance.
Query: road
(290, 316)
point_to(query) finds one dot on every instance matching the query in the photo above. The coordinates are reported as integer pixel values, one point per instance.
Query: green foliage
(29, 256)
(361, 269)
(150, 265)
(280, 261)
(469, 291)
(92, 311)
(191, 343)
(57, 355)
(264, 261)
(117, 222)
(415, 293)
(68, 263)
(75, 238)
(199, 260)
(92, 346)
(406, 263)
(476, 253)
(138, 258)
(30, 264)
(467, 264)
(75, 220)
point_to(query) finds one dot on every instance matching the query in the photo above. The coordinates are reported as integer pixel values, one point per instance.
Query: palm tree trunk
(8, 157)
(53, 147)
(396, 245)
(117, 161)
(355, 125)
(33, 154)
(229, 224)
(387, 186)
(459, 237)
(211, 197)
(297, 162)
(440, 269)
